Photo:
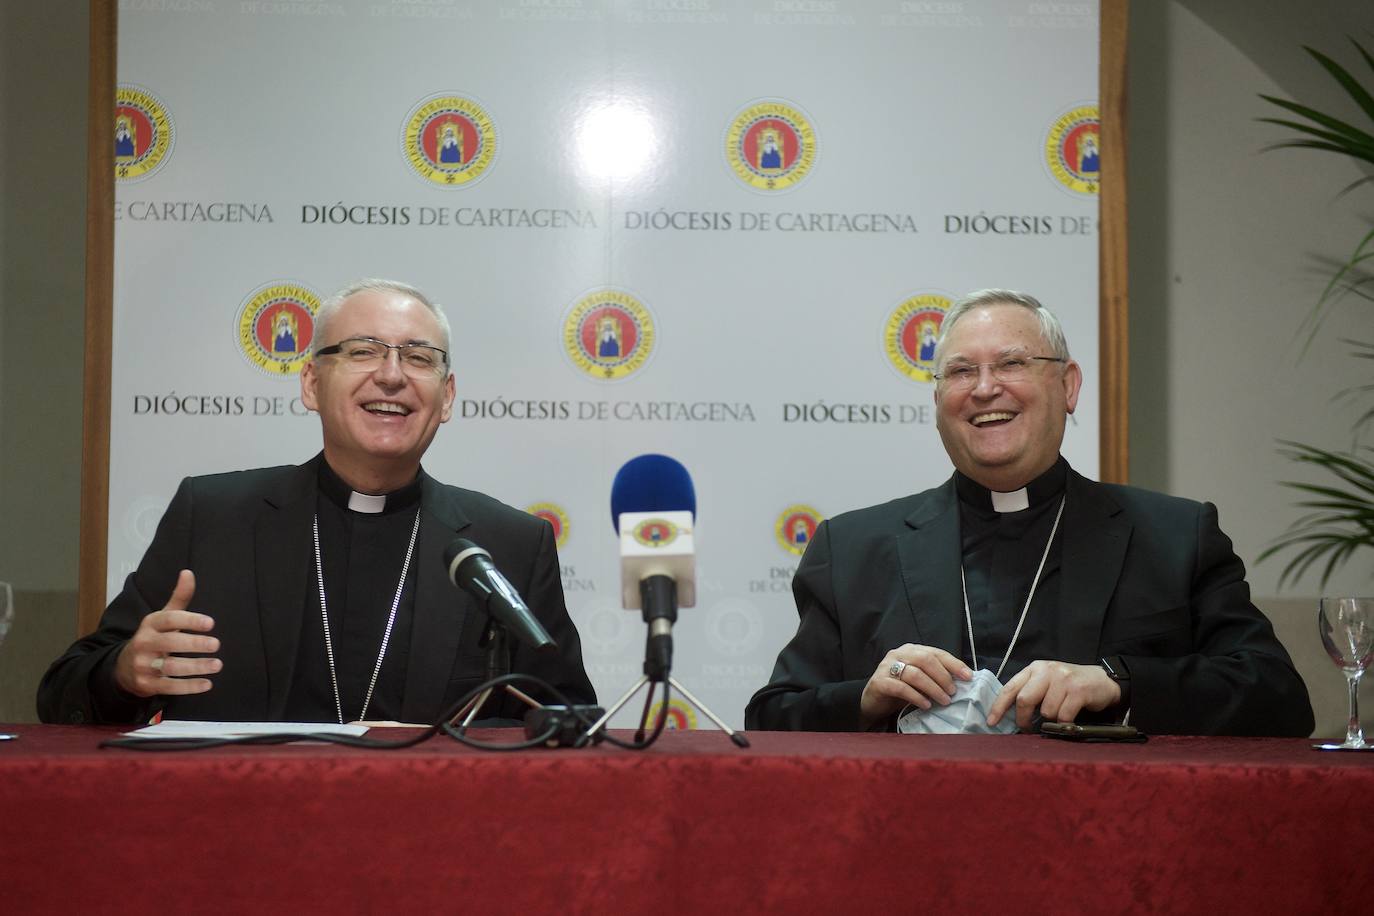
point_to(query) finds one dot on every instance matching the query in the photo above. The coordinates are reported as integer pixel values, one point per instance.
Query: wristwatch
(1116, 669)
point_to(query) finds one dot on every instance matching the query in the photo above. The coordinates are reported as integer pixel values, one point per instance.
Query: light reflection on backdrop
(615, 141)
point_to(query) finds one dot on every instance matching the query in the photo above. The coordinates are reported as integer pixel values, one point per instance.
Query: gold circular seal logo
(555, 516)
(1073, 150)
(143, 133)
(796, 527)
(910, 333)
(449, 140)
(608, 334)
(681, 717)
(770, 145)
(276, 325)
(656, 532)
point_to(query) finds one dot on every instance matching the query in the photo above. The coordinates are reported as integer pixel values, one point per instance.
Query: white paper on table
(177, 728)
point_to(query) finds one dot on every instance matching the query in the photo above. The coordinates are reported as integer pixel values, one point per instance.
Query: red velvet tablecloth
(799, 823)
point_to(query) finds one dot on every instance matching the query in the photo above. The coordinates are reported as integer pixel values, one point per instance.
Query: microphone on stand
(653, 508)
(471, 569)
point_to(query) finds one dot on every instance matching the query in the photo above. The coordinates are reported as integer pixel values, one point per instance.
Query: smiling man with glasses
(318, 593)
(1020, 591)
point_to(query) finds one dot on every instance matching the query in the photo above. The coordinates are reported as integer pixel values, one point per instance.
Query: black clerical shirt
(363, 554)
(1001, 551)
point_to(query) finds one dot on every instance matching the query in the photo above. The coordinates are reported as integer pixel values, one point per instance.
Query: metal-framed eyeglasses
(1008, 369)
(366, 354)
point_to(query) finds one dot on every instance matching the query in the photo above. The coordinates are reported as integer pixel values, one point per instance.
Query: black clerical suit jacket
(1145, 576)
(246, 535)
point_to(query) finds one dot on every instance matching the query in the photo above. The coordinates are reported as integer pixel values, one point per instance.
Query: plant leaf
(1337, 131)
(1319, 144)
(1353, 185)
(1348, 82)
(1363, 53)
(1338, 286)
(1341, 519)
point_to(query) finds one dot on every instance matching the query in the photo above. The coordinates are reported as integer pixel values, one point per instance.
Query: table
(799, 823)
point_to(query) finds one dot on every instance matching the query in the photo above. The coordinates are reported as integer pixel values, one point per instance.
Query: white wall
(43, 79)
(1223, 241)
(1224, 248)
(43, 92)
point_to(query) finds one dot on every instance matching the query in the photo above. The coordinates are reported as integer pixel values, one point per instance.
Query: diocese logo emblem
(605, 628)
(608, 334)
(1073, 150)
(449, 140)
(734, 627)
(555, 516)
(680, 716)
(795, 528)
(143, 133)
(275, 325)
(910, 333)
(655, 532)
(770, 145)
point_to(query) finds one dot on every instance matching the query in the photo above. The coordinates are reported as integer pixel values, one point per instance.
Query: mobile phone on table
(1072, 731)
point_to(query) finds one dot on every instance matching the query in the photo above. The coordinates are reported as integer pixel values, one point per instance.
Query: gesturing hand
(147, 666)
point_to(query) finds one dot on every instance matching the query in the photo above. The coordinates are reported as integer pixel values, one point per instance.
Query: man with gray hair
(318, 593)
(1019, 591)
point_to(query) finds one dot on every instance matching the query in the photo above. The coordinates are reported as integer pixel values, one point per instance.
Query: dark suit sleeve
(1238, 680)
(80, 687)
(544, 595)
(807, 691)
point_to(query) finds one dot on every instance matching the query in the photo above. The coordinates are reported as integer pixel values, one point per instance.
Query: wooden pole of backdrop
(1113, 308)
(95, 412)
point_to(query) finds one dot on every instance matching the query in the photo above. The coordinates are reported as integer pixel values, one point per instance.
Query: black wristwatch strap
(1116, 669)
(1115, 666)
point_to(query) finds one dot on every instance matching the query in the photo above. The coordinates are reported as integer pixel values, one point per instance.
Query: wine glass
(1347, 629)
(6, 618)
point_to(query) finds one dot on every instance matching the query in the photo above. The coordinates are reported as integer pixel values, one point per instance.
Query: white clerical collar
(363, 502)
(1014, 501)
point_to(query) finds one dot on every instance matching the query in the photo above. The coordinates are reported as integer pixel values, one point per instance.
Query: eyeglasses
(964, 376)
(366, 354)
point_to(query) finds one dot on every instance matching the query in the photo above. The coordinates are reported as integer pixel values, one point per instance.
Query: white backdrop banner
(723, 230)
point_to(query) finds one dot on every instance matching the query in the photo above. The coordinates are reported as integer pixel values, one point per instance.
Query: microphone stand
(658, 598)
(496, 641)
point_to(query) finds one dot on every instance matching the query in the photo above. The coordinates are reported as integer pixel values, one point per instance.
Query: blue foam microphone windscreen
(652, 483)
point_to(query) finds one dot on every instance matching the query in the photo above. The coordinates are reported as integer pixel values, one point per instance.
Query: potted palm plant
(1340, 516)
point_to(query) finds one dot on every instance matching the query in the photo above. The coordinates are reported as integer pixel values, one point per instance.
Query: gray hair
(330, 307)
(1050, 328)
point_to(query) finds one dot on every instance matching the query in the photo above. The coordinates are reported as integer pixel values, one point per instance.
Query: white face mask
(966, 714)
